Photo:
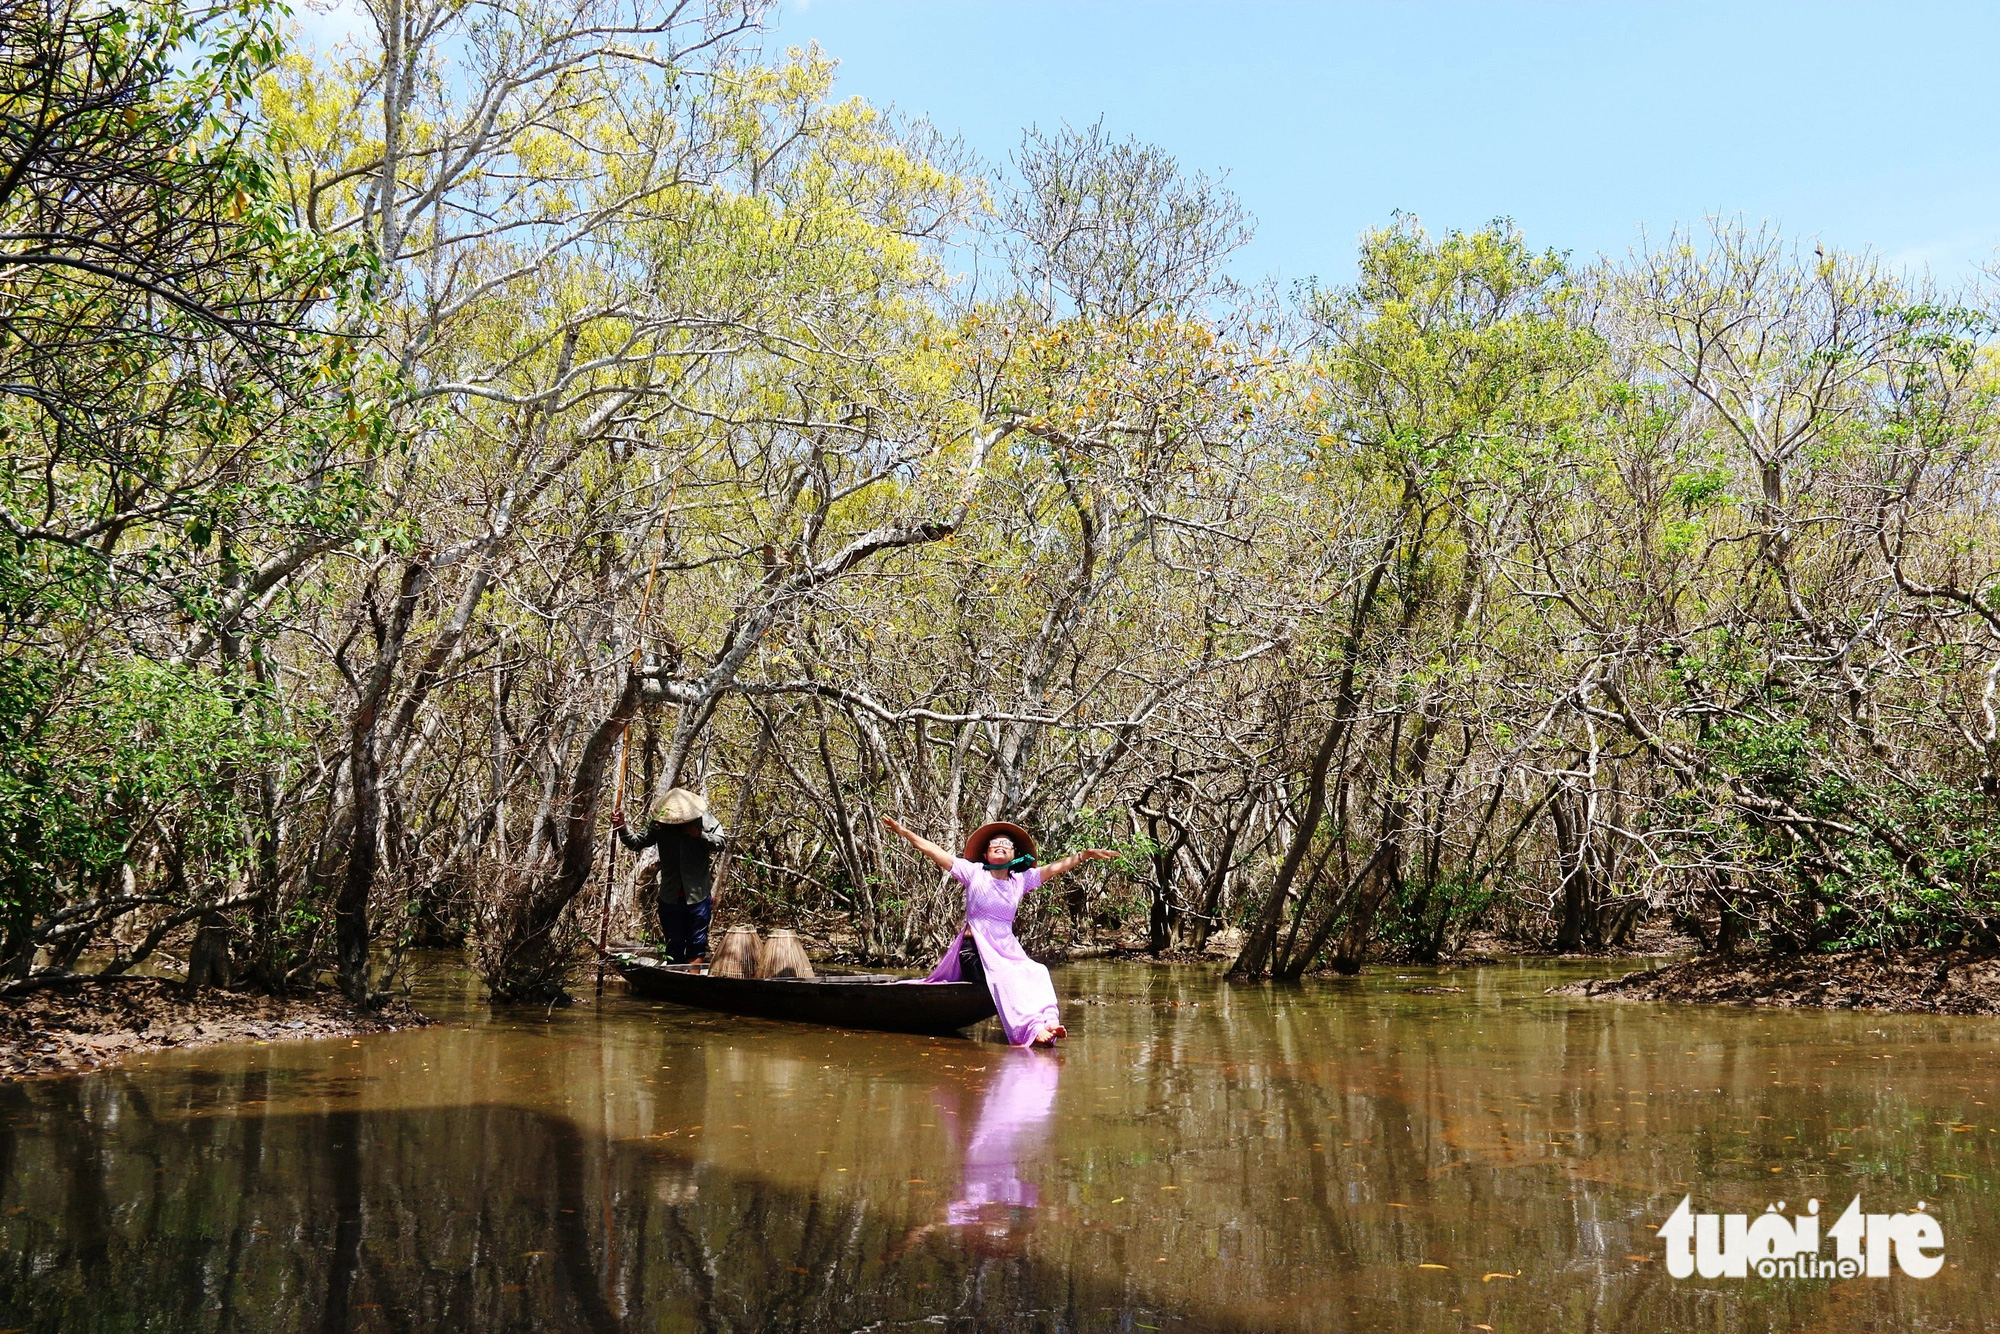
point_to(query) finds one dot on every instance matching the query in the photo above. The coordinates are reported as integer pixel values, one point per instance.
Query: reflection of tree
(156, 1202)
(343, 1142)
(179, 1213)
(197, 1220)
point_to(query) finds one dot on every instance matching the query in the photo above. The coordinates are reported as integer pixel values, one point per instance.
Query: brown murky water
(1342, 1156)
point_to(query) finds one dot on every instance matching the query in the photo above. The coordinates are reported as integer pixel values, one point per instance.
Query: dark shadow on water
(488, 1217)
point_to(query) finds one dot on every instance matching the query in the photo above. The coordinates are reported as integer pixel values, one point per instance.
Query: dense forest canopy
(400, 441)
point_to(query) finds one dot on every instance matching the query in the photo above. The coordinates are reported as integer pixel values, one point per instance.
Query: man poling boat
(998, 870)
(686, 837)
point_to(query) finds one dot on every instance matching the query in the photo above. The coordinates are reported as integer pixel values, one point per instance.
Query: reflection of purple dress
(1016, 1105)
(1021, 988)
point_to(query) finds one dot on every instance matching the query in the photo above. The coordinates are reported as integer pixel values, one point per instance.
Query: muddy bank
(1955, 981)
(1651, 938)
(85, 1024)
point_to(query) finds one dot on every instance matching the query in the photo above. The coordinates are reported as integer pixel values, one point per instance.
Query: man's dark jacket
(685, 853)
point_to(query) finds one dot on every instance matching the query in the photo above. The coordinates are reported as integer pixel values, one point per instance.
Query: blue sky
(1859, 125)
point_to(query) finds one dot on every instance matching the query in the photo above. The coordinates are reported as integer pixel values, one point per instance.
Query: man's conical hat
(681, 806)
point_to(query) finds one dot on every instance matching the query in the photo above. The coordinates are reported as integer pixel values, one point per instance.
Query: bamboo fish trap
(736, 954)
(783, 956)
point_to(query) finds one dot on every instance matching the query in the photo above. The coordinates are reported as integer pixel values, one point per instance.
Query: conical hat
(975, 846)
(681, 806)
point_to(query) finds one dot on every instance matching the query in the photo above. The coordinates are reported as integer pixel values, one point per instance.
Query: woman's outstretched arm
(918, 841)
(1074, 860)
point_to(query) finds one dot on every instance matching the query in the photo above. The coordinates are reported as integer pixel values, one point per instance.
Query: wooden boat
(844, 1000)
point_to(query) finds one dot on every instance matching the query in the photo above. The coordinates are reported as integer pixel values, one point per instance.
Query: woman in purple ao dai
(998, 870)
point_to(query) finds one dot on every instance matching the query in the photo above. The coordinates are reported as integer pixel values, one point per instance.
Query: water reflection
(1341, 1157)
(993, 1206)
(1014, 1112)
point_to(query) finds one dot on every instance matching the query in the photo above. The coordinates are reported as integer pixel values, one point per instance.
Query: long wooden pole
(625, 736)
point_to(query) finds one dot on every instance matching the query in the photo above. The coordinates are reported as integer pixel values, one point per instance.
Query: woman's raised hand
(1074, 860)
(918, 841)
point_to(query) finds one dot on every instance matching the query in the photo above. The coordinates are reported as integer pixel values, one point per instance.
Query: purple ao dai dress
(1021, 988)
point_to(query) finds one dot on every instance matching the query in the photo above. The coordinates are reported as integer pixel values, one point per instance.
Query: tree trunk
(1197, 926)
(208, 959)
(519, 952)
(350, 904)
(1572, 865)
(1256, 955)
(1734, 926)
(1386, 878)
